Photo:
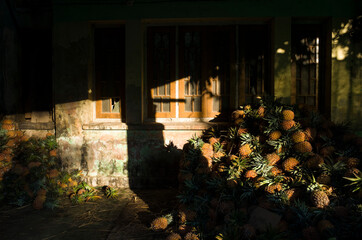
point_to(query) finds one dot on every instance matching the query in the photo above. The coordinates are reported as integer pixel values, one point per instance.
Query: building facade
(128, 82)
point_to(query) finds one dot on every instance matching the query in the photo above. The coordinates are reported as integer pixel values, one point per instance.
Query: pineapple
(160, 223)
(174, 236)
(275, 135)
(319, 199)
(238, 114)
(289, 164)
(316, 161)
(298, 137)
(324, 178)
(310, 133)
(288, 114)
(261, 111)
(303, 147)
(327, 151)
(245, 150)
(275, 171)
(241, 131)
(272, 158)
(276, 187)
(251, 174)
(292, 193)
(352, 162)
(191, 236)
(207, 150)
(287, 124)
(213, 140)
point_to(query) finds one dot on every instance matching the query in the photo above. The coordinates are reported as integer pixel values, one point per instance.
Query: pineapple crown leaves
(313, 184)
(356, 182)
(214, 184)
(238, 218)
(260, 164)
(247, 138)
(271, 233)
(331, 168)
(248, 192)
(196, 142)
(303, 214)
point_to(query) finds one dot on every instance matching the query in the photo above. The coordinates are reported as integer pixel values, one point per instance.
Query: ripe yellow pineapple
(277, 187)
(213, 140)
(251, 174)
(288, 114)
(319, 199)
(238, 114)
(174, 236)
(261, 111)
(298, 137)
(275, 171)
(207, 150)
(242, 131)
(292, 193)
(272, 158)
(303, 147)
(245, 150)
(289, 163)
(287, 124)
(159, 223)
(275, 135)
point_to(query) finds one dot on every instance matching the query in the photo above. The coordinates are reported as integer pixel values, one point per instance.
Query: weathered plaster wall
(282, 54)
(346, 73)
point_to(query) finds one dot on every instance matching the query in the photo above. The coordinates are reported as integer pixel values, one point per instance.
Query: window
(205, 58)
(161, 72)
(110, 72)
(306, 43)
(254, 63)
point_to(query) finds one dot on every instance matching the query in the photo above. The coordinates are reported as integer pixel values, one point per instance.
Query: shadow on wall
(347, 70)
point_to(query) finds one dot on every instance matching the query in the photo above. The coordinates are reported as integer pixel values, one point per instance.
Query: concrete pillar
(134, 69)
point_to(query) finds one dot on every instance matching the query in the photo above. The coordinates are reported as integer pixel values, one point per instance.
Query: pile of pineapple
(285, 160)
(31, 172)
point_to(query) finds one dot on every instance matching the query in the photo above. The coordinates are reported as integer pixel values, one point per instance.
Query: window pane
(166, 105)
(197, 104)
(161, 90)
(115, 105)
(187, 85)
(215, 104)
(106, 105)
(188, 104)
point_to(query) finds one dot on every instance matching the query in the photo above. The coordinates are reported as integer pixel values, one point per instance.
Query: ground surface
(127, 217)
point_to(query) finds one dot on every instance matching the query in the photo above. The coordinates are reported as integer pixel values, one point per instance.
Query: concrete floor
(127, 217)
